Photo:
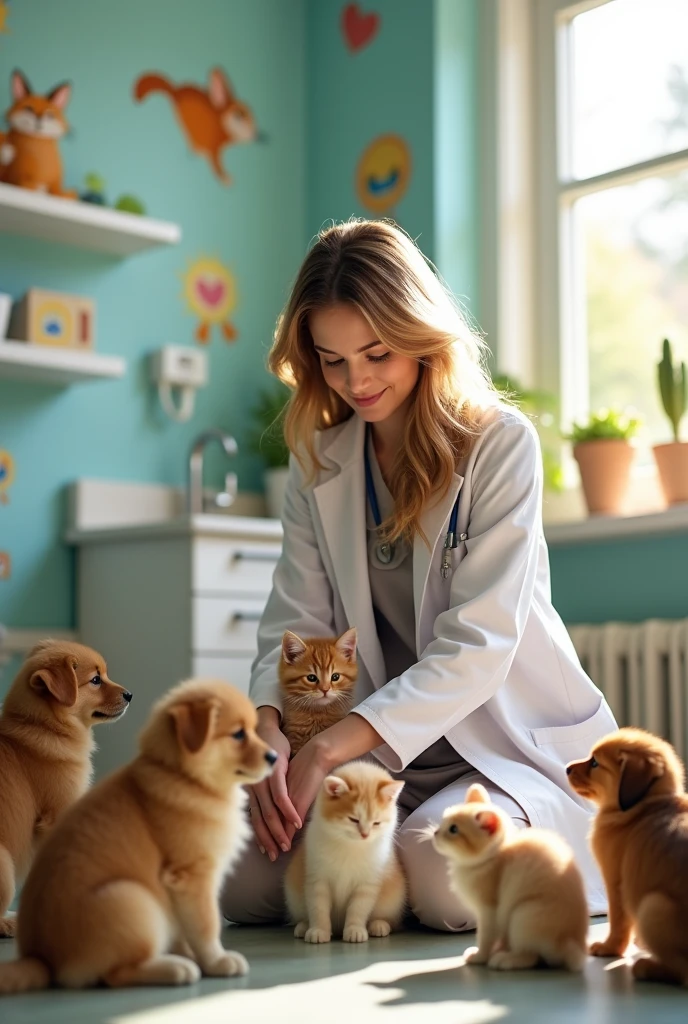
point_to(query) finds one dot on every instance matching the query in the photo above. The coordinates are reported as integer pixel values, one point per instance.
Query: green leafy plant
(542, 408)
(267, 438)
(605, 425)
(672, 387)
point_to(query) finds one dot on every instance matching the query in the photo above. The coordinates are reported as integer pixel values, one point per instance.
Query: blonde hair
(376, 268)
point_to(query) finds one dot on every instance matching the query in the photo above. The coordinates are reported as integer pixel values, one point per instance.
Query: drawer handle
(256, 554)
(247, 616)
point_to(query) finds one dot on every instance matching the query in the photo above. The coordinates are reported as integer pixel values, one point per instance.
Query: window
(612, 140)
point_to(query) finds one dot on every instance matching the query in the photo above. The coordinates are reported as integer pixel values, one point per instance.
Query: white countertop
(205, 525)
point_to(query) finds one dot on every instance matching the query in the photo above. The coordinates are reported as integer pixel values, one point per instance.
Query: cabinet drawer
(234, 566)
(226, 624)
(235, 670)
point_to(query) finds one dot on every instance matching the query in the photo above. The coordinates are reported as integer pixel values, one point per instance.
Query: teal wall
(417, 80)
(629, 580)
(256, 226)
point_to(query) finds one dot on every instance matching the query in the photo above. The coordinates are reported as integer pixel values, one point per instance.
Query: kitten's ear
(390, 791)
(293, 647)
(488, 821)
(334, 786)
(346, 645)
(477, 794)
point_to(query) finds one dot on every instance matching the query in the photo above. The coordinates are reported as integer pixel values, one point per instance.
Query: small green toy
(130, 204)
(95, 190)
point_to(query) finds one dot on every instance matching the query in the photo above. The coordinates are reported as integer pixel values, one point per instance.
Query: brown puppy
(46, 744)
(640, 840)
(124, 890)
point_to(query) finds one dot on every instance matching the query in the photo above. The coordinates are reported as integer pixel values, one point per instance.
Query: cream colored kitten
(523, 886)
(345, 877)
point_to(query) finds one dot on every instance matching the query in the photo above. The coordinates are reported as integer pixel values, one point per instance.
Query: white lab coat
(497, 673)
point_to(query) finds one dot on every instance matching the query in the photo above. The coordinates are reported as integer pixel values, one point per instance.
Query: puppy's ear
(59, 680)
(194, 723)
(638, 772)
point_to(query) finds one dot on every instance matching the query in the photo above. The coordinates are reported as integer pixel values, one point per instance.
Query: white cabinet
(166, 603)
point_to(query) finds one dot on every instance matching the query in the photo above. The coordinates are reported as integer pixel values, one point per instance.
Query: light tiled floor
(414, 976)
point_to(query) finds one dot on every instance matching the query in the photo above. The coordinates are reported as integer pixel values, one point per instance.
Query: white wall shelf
(20, 360)
(71, 222)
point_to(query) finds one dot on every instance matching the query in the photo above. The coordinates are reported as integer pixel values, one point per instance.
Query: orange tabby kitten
(345, 876)
(523, 886)
(318, 678)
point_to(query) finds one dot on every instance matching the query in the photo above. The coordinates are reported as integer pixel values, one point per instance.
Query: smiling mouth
(104, 715)
(368, 400)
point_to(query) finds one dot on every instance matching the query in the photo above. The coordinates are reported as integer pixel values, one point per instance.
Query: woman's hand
(305, 775)
(269, 804)
(348, 739)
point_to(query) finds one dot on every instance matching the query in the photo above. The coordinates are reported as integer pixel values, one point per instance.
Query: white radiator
(642, 669)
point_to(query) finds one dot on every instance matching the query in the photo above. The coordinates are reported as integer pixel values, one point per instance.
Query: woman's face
(375, 382)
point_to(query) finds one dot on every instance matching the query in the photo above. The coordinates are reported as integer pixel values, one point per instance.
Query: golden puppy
(124, 890)
(640, 840)
(46, 744)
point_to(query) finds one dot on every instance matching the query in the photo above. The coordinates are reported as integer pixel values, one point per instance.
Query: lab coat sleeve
(491, 591)
(301, 597)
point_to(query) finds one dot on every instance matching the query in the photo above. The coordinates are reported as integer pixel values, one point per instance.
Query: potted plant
(604, 454)
(672, 458)
(267, 440)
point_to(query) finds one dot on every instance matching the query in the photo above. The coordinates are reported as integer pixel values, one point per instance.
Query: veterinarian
(413, 511)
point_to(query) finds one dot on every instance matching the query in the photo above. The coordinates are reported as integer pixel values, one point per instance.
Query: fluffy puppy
(640, 839)
(124, 890)
(46, 746)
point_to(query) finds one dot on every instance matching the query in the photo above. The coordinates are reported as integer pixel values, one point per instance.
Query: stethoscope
(384, 550)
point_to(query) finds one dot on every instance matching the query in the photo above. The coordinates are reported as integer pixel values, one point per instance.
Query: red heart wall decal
(358, 28)
(212, 293)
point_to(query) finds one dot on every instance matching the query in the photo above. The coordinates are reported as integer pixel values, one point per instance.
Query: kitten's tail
(152, 83)
(29, 974)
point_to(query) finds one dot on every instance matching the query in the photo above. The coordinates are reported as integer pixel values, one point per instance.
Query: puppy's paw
(228, 965)
(605, 948)
(8, 926)
(473, 955)
(379, 928)
(317, 935)
(300, 930)
(355, 933)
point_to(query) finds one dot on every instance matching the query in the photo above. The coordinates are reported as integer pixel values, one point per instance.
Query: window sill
(608, 528)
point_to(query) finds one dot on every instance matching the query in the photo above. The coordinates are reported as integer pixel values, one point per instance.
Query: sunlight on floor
(345, 997)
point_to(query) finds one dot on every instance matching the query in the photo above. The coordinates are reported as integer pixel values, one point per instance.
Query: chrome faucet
(195, 493)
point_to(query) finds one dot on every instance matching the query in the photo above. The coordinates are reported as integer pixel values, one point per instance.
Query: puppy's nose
(271, 757)
(127, 696)
(569, 769)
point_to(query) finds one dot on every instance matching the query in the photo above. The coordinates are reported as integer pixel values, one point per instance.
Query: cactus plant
(672, 387)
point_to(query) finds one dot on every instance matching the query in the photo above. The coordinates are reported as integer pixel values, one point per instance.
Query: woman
(413, 511)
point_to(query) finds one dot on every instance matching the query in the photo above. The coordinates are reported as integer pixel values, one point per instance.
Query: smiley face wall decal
(383, 173)
(6, 475)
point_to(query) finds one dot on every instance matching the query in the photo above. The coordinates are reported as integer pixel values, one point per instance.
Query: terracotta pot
(605, 469)
(672, 466)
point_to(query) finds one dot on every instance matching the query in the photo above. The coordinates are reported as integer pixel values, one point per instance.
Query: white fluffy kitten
(523, 886)
(345, 877)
